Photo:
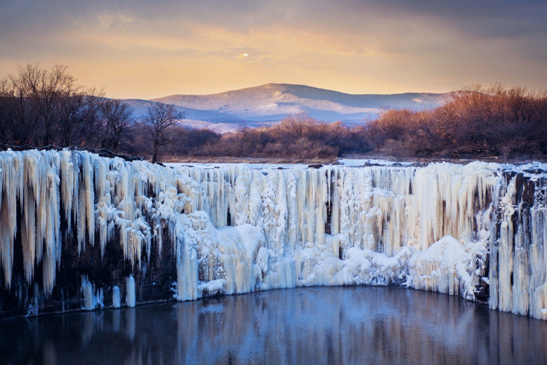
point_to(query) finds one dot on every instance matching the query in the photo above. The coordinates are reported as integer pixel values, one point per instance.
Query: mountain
(267, 104)
(195, 118)
(272, 102)
(140, 107)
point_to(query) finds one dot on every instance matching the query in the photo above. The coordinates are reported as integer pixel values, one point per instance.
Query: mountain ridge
(285, 86)
(270, 102)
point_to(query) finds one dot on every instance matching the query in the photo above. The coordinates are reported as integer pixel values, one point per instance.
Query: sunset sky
(148, 49)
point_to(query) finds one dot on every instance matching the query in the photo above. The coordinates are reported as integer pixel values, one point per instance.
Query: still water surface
(343, 325)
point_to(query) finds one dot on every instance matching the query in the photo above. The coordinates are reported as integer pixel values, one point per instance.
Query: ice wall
(78, 231)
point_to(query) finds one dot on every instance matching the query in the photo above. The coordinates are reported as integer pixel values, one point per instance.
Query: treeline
(46, 107)
(474, 122)
(297, 136)
(40, 107)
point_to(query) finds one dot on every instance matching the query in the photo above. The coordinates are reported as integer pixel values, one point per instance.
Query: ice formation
(475, 230)
(116, 297)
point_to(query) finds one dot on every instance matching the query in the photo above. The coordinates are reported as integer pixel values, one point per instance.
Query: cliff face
(78, 231)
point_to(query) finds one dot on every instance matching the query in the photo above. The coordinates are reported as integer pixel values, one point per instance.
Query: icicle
(88, 297)
(32, 181)
(89, 199)
(187, 270)
(116, 297)
(12, 171)
(68, 174)
(130, 297)
(385, 223)
(52, 235)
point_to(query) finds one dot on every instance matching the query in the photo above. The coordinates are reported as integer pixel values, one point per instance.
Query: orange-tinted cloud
(151, 49)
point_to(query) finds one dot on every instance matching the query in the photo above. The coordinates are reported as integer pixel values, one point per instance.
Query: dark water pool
(349, 325)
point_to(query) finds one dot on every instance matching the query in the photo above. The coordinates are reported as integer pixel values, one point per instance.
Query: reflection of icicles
(116, 321)
(130, 323)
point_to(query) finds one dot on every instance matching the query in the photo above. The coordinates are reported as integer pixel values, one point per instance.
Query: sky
(148, 49)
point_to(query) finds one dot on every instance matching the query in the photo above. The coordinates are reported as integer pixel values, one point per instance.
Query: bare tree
(17, 117)
(116, 120)
(298, 124)
(160, 122)
(41, 107)
(47, 91)
(78, 120)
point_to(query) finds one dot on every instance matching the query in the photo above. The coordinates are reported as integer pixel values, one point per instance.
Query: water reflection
(308, 326)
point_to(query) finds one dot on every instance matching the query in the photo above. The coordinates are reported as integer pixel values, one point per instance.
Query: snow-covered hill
(272, 102)
(140, 107)
(195, 118)
(264, 105)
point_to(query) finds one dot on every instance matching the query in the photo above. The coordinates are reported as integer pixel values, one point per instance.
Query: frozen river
(327, 325)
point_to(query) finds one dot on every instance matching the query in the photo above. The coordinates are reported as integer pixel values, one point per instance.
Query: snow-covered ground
(239, 228)
(349, 162)
(357, 162)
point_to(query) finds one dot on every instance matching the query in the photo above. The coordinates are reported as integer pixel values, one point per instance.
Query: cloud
(103, 21)
(384, 21)
(433, 44)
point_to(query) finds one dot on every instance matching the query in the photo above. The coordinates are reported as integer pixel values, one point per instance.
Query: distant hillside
(267, 104)
(273, 102)
(140, 107)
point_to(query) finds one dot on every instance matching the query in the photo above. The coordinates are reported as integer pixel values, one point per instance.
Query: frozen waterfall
(78, 231)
